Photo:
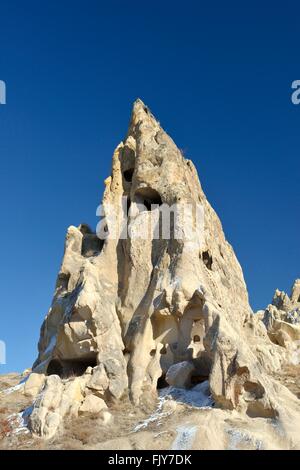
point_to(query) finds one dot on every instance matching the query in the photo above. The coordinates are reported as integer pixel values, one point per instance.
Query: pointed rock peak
(139, 106)
(132, 312)
(295, 295)
(141, 114)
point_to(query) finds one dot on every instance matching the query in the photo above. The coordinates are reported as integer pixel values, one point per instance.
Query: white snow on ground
(185, 437)
(10, 390)
(157, 415)
(18, 422)
(196, 397)
(237, 437)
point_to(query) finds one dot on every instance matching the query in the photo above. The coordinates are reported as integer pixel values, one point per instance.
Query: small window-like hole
(91, 245)
(63, 281)
(207, 259)
(163, 350)
(128, 205)
(196, 339)
(298, 299)
(149, 197)
(128, 174)
(55, 368)
(85, 228)
(162, 383)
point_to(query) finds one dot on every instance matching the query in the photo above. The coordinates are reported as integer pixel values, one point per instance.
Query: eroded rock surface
(282, 320)
(127, 310)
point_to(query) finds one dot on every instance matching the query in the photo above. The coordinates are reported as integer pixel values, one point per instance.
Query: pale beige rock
(179, 374)
(45, 418)
(295, 295)
(282, 321)
(98, 380)
(57, 400)
(72, 397)
(92, 405)
(34, 384)
(136, 307)
(106, 418)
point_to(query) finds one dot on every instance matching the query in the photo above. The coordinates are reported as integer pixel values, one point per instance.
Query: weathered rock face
(134, 307)
(282, 320)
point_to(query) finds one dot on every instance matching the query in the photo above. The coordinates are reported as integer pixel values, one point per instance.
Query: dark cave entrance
(162, 383)
(70, 368)
(198, 379)
(91, 245)
(128, 205)
(128, 174)
(195, 379)
(149, 198)
(207, 259)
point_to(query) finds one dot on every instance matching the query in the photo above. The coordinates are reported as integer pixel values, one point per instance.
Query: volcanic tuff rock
(282, 320)
(126, 310)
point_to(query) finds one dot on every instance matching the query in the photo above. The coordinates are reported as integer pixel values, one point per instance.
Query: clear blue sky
(218, 78)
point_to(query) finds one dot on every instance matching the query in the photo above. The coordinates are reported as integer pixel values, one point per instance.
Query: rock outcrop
(282, 321)
(128, 308)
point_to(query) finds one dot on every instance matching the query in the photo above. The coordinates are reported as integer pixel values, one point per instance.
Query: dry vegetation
(78, 433)
(90, 433)
(9, 405)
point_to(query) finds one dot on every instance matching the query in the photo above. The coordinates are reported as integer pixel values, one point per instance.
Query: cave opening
(128, 205)
(198, 379)
(62, 282)
(128, 175)
(91, 245)
(207, 259)
(70, 368)
(161, 382)
(149, 198)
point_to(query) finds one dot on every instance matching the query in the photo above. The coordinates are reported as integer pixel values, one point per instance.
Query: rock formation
(282, 320)
(131, 314)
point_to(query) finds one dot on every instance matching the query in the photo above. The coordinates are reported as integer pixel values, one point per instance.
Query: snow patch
(157, 415)
(237, 437)
(18, 422)
(293, 316)
(10, 390)
(198, 397)
(185, 437)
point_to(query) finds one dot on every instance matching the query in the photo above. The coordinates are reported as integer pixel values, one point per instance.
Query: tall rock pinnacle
(133, 307)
